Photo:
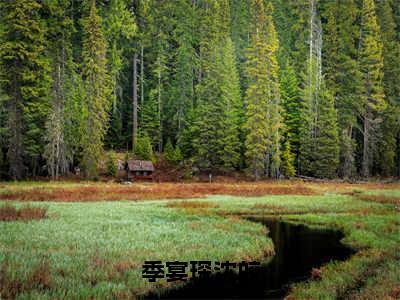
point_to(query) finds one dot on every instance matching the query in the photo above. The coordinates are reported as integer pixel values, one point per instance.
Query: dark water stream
(298, 249)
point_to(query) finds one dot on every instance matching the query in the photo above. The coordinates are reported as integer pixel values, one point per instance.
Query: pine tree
(111, 164)
(288, 160)
(180, 95)
(391, 50)
(95, 103)
(326, 155)
(169, 151)
(150, 118)
(211, 121)
(58, 152)
(177, 154)
(119, 29)
(310, 92)
(291, 102)
(263, 111)
(25, 82)
(234, 112)
(240, 32)
(143, 149)
(342, 74)
(385, 155)
(371, 66)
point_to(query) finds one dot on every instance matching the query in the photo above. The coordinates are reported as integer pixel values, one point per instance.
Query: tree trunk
(348, 153)
(160, 144)
(134, 106)
(366, 144)
(15, 150)
(398, 154)
(141, 77)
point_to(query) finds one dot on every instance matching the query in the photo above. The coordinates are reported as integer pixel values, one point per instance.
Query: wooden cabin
(136, 169)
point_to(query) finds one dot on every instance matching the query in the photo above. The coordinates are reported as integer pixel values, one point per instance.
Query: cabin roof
(140, 165)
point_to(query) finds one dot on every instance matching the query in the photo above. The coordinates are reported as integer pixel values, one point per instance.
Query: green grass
(369, 227)
(97, 249)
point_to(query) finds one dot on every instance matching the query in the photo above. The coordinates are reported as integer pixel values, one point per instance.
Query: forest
(271, 89)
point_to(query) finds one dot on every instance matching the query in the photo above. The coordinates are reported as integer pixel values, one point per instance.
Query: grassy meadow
(93, 245)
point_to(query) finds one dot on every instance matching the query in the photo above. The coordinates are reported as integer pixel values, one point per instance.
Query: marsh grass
(100, 191)
(96, 249)
(25, 213)
(37, 279)
(191, 204)
(381, 199)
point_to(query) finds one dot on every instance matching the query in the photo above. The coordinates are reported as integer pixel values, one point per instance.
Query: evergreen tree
(144, 150)
(177, 154)
(234, 113)
(183, 64)
(263, 112)
(311, 86)
(58, 152)
(288, 159)
(342, 74)
(119, 29)
(95, 103)
(326, 155)
(25, 82)
(291, 102)
(371, 66)
(111, 164)
(240, 32)
(385, 155)
(68, 84)
(169, 151)
(213, 89)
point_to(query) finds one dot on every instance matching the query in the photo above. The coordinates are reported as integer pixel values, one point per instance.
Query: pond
(298, 249)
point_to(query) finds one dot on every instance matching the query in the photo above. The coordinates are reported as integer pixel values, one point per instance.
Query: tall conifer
(371, 67)
(263, 111)
(25, 81)
(95, 103)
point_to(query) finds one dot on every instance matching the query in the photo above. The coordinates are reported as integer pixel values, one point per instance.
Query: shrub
(111, 164)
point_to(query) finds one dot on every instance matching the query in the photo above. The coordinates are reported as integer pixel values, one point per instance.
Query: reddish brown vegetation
(12, 286)
(154, 191)
(395, 293)
(8, 213)
(26, 213)
(316, 273)
(124, 266)
(381, 199)
(40, 278)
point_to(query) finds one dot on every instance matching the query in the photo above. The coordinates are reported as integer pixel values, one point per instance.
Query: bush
(111, 164)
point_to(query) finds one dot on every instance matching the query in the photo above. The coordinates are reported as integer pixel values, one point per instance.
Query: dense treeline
(308, 87)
